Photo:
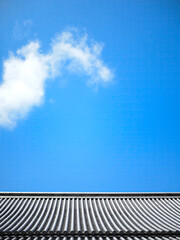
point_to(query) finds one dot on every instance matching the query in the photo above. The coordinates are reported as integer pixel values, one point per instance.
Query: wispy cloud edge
(25, 73)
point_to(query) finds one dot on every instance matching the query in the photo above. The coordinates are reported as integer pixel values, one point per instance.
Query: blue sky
(91, 100)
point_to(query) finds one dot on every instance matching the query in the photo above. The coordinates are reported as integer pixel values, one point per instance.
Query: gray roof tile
(131, 216)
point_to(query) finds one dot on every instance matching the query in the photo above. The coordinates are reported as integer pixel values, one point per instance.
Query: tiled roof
(130, 216)
(91, 238)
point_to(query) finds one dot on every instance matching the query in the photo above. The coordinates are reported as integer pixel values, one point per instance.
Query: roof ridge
(90, 194)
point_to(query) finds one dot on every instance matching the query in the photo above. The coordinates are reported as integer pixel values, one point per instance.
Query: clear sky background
(120, 133)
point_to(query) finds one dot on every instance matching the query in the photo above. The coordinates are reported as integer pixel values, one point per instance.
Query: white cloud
(25, 74)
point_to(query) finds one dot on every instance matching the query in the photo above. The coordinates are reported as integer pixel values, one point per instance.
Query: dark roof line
(90, 194)
(83, 235)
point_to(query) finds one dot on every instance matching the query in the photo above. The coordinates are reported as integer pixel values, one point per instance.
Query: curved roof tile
(130, 216)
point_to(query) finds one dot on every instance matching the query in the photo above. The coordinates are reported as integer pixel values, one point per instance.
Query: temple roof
(131, 216)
